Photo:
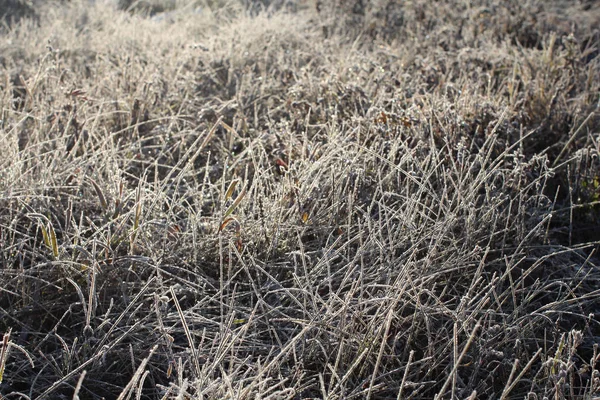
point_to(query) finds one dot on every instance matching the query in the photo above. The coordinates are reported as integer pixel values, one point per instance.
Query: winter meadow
(293, 199)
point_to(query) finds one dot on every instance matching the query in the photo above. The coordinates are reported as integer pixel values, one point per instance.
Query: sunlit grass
(298, 200)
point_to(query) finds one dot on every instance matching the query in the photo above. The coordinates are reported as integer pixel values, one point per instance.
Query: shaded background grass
(294, 200)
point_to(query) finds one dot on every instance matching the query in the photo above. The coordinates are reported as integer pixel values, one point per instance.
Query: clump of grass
(364, 201)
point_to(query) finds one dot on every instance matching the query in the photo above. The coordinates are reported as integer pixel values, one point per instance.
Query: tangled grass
(337, 200)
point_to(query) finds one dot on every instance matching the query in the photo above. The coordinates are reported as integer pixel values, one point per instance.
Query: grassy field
(336, 200)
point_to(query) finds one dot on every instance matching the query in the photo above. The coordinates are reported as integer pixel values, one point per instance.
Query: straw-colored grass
(345, 199)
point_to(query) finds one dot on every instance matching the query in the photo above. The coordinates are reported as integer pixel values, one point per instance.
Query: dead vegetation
(340, 200)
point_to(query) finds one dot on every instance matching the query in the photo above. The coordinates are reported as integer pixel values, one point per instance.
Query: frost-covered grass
(332, 200)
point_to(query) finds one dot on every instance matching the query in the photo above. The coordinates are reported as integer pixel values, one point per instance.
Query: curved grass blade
(231, 188)
(236, 203)
(225, 223)
(99, 193)
(53, 242)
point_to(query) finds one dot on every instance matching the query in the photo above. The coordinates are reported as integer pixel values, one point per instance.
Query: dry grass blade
(512, 383)
(406, 369)
(4, 353)
(385, 333)
(78, 386)
(49, 237)
(457, 361)
(137, 375)
(210, 134)
(230, 189)
(136, 219)
(353, 367)
(226, 222)
(99, 193)
(53, 241)
(188, 334)
(138, 209)
(46, 237)
(235, 204)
